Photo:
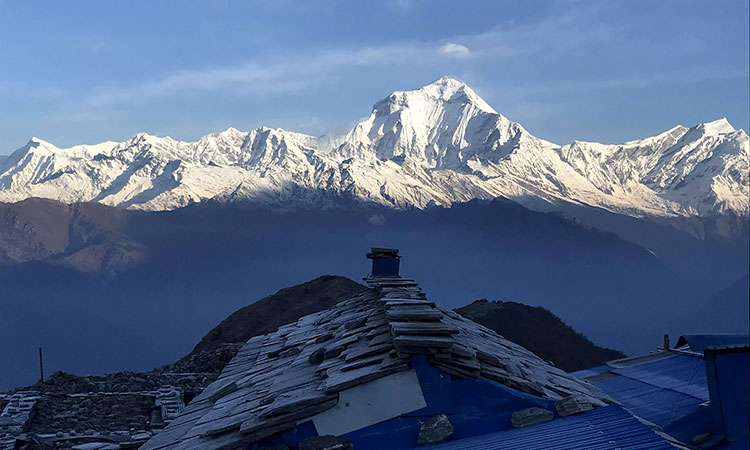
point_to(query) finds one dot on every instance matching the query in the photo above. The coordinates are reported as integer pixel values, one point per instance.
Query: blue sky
(611, 71)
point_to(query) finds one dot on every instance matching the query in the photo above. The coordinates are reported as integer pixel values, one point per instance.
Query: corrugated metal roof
(699, 342)
(666, 389)
(602, 428)
(681, 373)
(678, 414)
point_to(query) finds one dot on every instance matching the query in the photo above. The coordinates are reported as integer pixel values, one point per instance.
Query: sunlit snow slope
(436, 145)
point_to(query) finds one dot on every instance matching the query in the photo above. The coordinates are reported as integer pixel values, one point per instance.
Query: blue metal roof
(678, 414)
(666, 389)
(699, 342)
(602, 428)
(680, 373)
(671, 389)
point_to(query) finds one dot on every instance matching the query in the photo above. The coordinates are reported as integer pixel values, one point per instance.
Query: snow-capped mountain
(440, 144)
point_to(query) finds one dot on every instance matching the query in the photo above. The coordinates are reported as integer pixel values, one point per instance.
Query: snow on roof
(286, 377)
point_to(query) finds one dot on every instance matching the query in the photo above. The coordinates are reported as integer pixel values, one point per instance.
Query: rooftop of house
(368, 346)
(699, 342)
(672, 388)
(601, 428)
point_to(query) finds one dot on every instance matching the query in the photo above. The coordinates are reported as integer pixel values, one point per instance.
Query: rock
(317, 356)
(290, 352)
(573, 404)
(436, 430)
(324, 337)
(355, 323)
(325, 443)
(333, 352)
(530, 416)
(701, 439)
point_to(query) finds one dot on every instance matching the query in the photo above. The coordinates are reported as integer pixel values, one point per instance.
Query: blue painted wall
(473, 406)
(385, 266)
(729, 385)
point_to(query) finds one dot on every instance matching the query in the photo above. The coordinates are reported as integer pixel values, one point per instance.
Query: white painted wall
(371, 403)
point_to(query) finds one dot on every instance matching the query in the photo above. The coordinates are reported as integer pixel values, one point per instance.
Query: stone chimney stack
(385, 262)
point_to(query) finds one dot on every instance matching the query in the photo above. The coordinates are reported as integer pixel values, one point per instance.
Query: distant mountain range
(437, 145)
(105, 289)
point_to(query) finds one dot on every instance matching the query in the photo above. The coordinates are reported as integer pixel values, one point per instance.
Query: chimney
(666, 342)
(385, 262)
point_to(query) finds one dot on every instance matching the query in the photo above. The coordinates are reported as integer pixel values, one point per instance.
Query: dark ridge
(267, 315)
(538, 330)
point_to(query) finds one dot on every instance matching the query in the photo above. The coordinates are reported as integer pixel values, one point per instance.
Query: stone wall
(83, 414)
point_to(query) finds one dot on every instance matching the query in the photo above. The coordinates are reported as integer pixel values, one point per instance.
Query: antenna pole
(41, 366)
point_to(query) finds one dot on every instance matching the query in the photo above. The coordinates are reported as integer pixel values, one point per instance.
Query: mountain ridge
(440, 144)
(540, 331)
(101, 311)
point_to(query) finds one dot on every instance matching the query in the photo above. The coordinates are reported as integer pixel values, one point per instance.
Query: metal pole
(41, 366)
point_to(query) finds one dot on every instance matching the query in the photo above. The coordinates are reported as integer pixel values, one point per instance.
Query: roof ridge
(456, 345)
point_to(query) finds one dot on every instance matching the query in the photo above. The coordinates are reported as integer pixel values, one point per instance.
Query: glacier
(437, 145)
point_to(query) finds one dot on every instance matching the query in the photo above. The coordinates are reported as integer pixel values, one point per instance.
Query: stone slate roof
(286, 377)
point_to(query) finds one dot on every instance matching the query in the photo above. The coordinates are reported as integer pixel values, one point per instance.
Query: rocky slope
(87, 237)
(439, 144)
(540, 331)
(264, 316)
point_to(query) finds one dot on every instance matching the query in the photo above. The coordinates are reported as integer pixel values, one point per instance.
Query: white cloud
(553, 38)
(403, 6)
(454, 50)
(376, 219)
(282, 75)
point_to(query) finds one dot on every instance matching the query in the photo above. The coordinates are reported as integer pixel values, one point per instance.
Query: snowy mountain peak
(438, 144)
(719, 126)
(231, 131)
(442, 90)
(40, 144)
(444, 124)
